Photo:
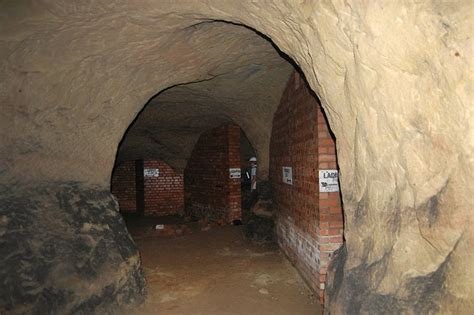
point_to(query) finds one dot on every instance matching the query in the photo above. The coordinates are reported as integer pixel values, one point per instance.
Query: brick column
(140, 187)
(234, 198)
(309, 222)
(330, 230)
(123, 186)
(209, 191)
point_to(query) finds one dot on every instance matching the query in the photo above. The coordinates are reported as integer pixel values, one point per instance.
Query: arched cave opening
(185, 167)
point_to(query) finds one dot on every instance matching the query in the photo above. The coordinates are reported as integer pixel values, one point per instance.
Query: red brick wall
(330, 228)
(309, 223)
(163, 195)
(234, 198)
(209, 192)
(123, 186)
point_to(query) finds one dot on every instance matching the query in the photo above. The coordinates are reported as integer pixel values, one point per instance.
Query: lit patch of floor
(218, 272)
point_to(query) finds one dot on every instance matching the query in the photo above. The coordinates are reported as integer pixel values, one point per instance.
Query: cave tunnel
(185, 166)
(128, 130)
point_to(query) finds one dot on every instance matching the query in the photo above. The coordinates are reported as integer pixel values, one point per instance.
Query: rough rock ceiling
(244, 86)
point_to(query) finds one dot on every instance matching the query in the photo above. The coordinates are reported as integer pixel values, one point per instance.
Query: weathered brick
(209, 191)
(307, 220)
(162, 195)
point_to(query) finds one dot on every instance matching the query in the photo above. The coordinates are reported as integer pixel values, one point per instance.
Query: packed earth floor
(217, 271)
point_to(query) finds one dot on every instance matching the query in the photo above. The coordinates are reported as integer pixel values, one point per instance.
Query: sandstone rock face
(395, 80)
(64, 249)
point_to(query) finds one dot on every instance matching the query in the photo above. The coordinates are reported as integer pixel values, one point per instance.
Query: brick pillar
(209, 191)
(140, 187)
(123, 186)
(330, 231)
(234, 198)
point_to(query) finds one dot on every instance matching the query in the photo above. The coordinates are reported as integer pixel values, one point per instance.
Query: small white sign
(159, 227)
(328, 181)
(151, 172)
(234, 173)
(288, 175)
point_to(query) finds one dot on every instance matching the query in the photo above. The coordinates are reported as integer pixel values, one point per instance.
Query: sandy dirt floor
(218, 272)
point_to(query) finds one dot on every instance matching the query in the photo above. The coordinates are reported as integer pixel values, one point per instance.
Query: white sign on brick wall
(151, 172)
(288, 175)
(328, 181)
(234, 173)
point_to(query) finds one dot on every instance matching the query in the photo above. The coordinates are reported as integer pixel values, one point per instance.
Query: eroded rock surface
(64, 249)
